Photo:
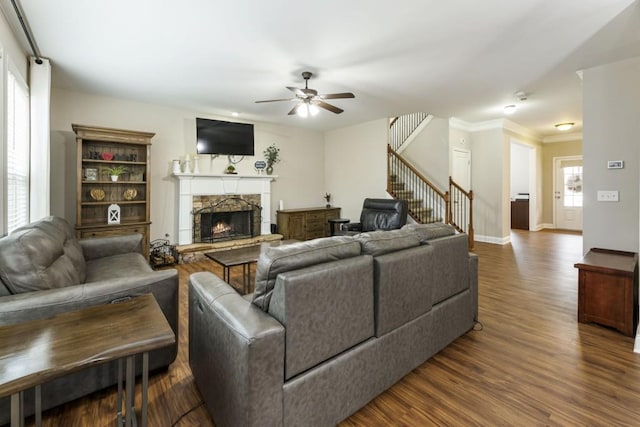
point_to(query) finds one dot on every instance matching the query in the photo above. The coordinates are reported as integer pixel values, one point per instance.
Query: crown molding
(575, 136)
(503, 124)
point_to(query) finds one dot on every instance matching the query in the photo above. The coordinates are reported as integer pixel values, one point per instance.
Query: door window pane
(572, 186)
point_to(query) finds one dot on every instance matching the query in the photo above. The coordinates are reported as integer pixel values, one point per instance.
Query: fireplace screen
(226, 219)
(216, 226)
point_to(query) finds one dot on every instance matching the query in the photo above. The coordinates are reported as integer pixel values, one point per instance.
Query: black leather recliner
(379, 214)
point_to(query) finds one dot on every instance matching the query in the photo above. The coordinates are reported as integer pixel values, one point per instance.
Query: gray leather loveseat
(333, 323)
(44, 271)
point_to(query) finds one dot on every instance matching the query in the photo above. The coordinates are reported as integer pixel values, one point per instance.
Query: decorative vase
(114, 177)
(269, 170)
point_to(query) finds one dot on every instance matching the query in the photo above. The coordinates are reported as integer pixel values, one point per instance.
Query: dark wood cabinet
(608, 289)
(520, 214)
(307, 223)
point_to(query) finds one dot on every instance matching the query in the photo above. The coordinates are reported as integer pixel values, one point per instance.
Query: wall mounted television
(220, 137)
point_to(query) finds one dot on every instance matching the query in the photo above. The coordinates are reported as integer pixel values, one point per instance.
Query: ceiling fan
(309, 100)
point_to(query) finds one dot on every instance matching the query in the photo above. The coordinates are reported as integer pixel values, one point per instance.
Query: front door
(568, 193)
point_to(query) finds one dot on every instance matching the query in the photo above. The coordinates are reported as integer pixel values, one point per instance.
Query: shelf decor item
(91, 174)
(130, 194)
(271, 156)
(260, 166)
(115, 171)
(113, 214)
(327, 197)
(97, 194)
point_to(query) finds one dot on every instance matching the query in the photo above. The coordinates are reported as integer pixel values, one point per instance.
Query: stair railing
(403, 126)
(461, 214)
(426, 202)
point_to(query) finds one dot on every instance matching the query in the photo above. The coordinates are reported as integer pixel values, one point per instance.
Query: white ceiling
(459, 58)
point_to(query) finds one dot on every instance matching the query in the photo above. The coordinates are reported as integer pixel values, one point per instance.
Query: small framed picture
(137, 176)
(91, 174)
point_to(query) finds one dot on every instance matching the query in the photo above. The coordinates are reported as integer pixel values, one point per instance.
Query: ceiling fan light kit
(309, 102)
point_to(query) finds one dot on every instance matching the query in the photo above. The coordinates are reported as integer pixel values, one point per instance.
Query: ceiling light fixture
(235, 113)
(510, 109)
(306, 109)
(564, 126)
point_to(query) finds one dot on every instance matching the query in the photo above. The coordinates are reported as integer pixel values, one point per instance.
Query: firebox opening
(217, 226)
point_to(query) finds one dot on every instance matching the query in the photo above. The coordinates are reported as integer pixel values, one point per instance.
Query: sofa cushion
(432, 231)
(38, 257)
(278, 259)
(117, 266)
(381, 242)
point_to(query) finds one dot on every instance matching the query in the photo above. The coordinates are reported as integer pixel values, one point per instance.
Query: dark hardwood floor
(532, 364)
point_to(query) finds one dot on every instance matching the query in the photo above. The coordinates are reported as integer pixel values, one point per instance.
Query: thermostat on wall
(615, 164)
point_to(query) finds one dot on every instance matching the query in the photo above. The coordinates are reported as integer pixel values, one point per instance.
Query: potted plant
(115, 171)
(230, 169)
(271, 156)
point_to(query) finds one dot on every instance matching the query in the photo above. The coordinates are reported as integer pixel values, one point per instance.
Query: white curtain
(40, 97)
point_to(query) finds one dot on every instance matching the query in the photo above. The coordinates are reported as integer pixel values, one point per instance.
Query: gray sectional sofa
(332, 323)
(44, 271)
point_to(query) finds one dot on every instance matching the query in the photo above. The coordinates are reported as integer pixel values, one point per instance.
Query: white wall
(520, 170)
(356, 165)
(490, 177)
(429, 152)
(611, 106)
(300, 174)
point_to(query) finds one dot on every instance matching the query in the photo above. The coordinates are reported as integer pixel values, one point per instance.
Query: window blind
(17, 152)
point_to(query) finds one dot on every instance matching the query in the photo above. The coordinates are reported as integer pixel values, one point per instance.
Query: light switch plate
(607, 195)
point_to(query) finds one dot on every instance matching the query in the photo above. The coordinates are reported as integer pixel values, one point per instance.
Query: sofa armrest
(99, 247)
(236, 354)
(352, 226)
(47, 303)
(473, 283)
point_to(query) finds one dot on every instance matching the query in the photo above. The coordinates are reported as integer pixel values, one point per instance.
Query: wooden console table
(608, 289)
(42, 350)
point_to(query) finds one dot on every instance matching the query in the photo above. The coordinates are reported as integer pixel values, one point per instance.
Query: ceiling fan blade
(293, 110)
(329, 107)
(297, 91)
(276, 100)
(337, 95)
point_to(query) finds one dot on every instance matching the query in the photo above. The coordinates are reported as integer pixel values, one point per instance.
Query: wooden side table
(41, 350)
(608, 289)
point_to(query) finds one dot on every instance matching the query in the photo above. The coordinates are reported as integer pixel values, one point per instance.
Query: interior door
(568, 193)
(461, 168)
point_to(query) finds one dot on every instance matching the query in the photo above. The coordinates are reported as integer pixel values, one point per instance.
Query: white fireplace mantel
(190, 185)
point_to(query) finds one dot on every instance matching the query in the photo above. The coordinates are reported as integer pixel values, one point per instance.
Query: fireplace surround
(190, 185)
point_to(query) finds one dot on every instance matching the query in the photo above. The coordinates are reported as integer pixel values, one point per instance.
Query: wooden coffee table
(244, 257)
(34, 352)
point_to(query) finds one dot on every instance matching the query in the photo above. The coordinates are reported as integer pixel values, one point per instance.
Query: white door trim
(556, 160)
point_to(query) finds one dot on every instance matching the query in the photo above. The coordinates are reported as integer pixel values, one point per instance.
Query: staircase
(427, 203)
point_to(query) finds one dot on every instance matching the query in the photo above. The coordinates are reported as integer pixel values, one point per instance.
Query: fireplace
(225, 218)
(215, 226)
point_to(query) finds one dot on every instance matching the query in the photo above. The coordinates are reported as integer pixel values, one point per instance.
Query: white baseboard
(492, 239)
(543, 226)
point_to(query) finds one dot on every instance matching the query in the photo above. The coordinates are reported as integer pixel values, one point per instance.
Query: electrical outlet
(607, 195)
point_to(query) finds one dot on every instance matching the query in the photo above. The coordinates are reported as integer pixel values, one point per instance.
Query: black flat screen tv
(220, 137)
